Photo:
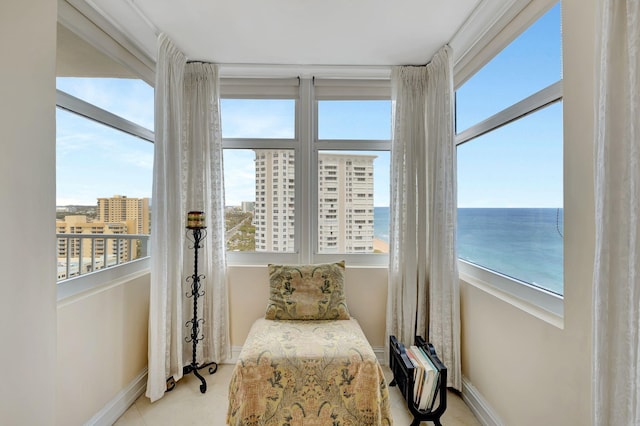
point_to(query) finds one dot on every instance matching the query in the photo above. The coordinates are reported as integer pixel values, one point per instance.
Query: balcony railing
(83, 253)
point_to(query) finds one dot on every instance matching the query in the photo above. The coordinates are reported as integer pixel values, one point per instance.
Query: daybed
(307, 362)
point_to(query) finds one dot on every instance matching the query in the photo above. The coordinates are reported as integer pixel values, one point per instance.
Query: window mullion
(304, 174)
(539, 100)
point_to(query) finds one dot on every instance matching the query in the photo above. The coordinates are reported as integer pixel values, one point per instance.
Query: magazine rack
(403, 377)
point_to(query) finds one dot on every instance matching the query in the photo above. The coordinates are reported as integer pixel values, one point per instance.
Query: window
(104, 166)
(510, 172)
(268, 139)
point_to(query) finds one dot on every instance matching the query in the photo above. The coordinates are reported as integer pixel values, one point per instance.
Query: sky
(519, 165)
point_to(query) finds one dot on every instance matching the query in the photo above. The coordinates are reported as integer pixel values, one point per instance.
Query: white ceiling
(297, 32)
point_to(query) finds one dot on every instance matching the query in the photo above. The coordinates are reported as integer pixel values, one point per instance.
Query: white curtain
(187, 176)
(205, 192)
(423, 294)
(616, 372)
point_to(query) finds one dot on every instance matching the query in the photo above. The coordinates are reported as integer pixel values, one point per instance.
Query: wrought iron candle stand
(198, 233)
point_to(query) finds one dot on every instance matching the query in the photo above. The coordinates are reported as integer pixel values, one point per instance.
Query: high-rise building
(274, 208)
(120, 208)
(100, 251)
(345, 202)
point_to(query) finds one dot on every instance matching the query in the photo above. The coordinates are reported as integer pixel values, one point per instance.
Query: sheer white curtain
(205, 192)
(187, 176)
(423, 274)
(616, 372)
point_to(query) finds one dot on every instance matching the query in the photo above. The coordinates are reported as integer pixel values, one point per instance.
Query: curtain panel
(165, 303)
(616, 289)
(424, 296)
(188, 175)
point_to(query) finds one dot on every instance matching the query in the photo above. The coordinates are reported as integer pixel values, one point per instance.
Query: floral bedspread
(308, 373)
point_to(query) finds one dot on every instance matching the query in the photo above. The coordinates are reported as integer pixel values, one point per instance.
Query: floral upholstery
(307, 292)
(308, 373)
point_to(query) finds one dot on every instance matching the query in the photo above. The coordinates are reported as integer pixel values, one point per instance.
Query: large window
(104, 164)
(510, 174)
(306, 170)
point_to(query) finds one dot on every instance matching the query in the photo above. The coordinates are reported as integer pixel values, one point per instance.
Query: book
(427, 381)
(431, 396)
(418, 373)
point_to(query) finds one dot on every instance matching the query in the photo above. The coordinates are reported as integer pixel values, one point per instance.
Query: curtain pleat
(204, 188)
(188, 175)
(423, 293)
(616, 289)
(167, 229)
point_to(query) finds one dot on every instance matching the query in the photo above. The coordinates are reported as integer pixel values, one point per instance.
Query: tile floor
(185, 405)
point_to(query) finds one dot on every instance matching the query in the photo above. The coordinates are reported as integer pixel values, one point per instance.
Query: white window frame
(85, 282)
(98, 38)
(539, 302)
(305, 144)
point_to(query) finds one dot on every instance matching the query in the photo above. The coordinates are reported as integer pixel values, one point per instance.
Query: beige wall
(27, 193)
(531, 372)
(366, 291)
(102, 346)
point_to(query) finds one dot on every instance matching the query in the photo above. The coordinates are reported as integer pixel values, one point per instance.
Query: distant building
(133, 211)
(247, 206)
(345, 202)
(98, 249)
(274, 210)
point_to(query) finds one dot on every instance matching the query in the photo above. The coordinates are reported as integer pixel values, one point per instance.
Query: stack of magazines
(425, 378)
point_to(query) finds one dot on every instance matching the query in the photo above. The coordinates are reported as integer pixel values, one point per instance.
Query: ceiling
(296, 32)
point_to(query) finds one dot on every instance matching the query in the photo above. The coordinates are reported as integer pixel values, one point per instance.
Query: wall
(27, 194)
(528, 371)
(102, 346)
(366, 292)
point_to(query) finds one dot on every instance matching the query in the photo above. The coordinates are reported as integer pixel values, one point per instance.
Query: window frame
(71, 286)
(103, 42)
(537, 301)
(306, 145)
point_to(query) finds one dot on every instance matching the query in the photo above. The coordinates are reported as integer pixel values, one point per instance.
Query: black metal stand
(194, 323)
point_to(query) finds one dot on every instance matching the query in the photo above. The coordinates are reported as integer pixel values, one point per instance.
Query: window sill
(78, 286)
(542, 304)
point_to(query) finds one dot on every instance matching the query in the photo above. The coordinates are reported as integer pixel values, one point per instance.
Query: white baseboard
(478, 405)
(379, 351)
(235, 353)
(115, 408)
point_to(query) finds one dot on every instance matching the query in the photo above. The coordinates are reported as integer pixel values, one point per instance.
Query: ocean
(523, 243)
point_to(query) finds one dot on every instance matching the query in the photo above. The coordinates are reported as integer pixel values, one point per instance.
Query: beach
(380, 246)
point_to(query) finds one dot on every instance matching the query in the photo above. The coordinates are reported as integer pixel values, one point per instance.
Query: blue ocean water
(526, 243)
(381, 223)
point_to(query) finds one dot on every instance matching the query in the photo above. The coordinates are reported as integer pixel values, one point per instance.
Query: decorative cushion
(307, 292)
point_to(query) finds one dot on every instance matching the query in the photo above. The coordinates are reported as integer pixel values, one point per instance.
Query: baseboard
(478, 405)
(235, 353)
(115, 408)
(379, 351)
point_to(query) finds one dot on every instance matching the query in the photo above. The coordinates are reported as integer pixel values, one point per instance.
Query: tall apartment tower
(345, 202)
(119, 208)
(274, 209)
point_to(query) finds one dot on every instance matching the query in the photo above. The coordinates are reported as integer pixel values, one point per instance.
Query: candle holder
(196, 233)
